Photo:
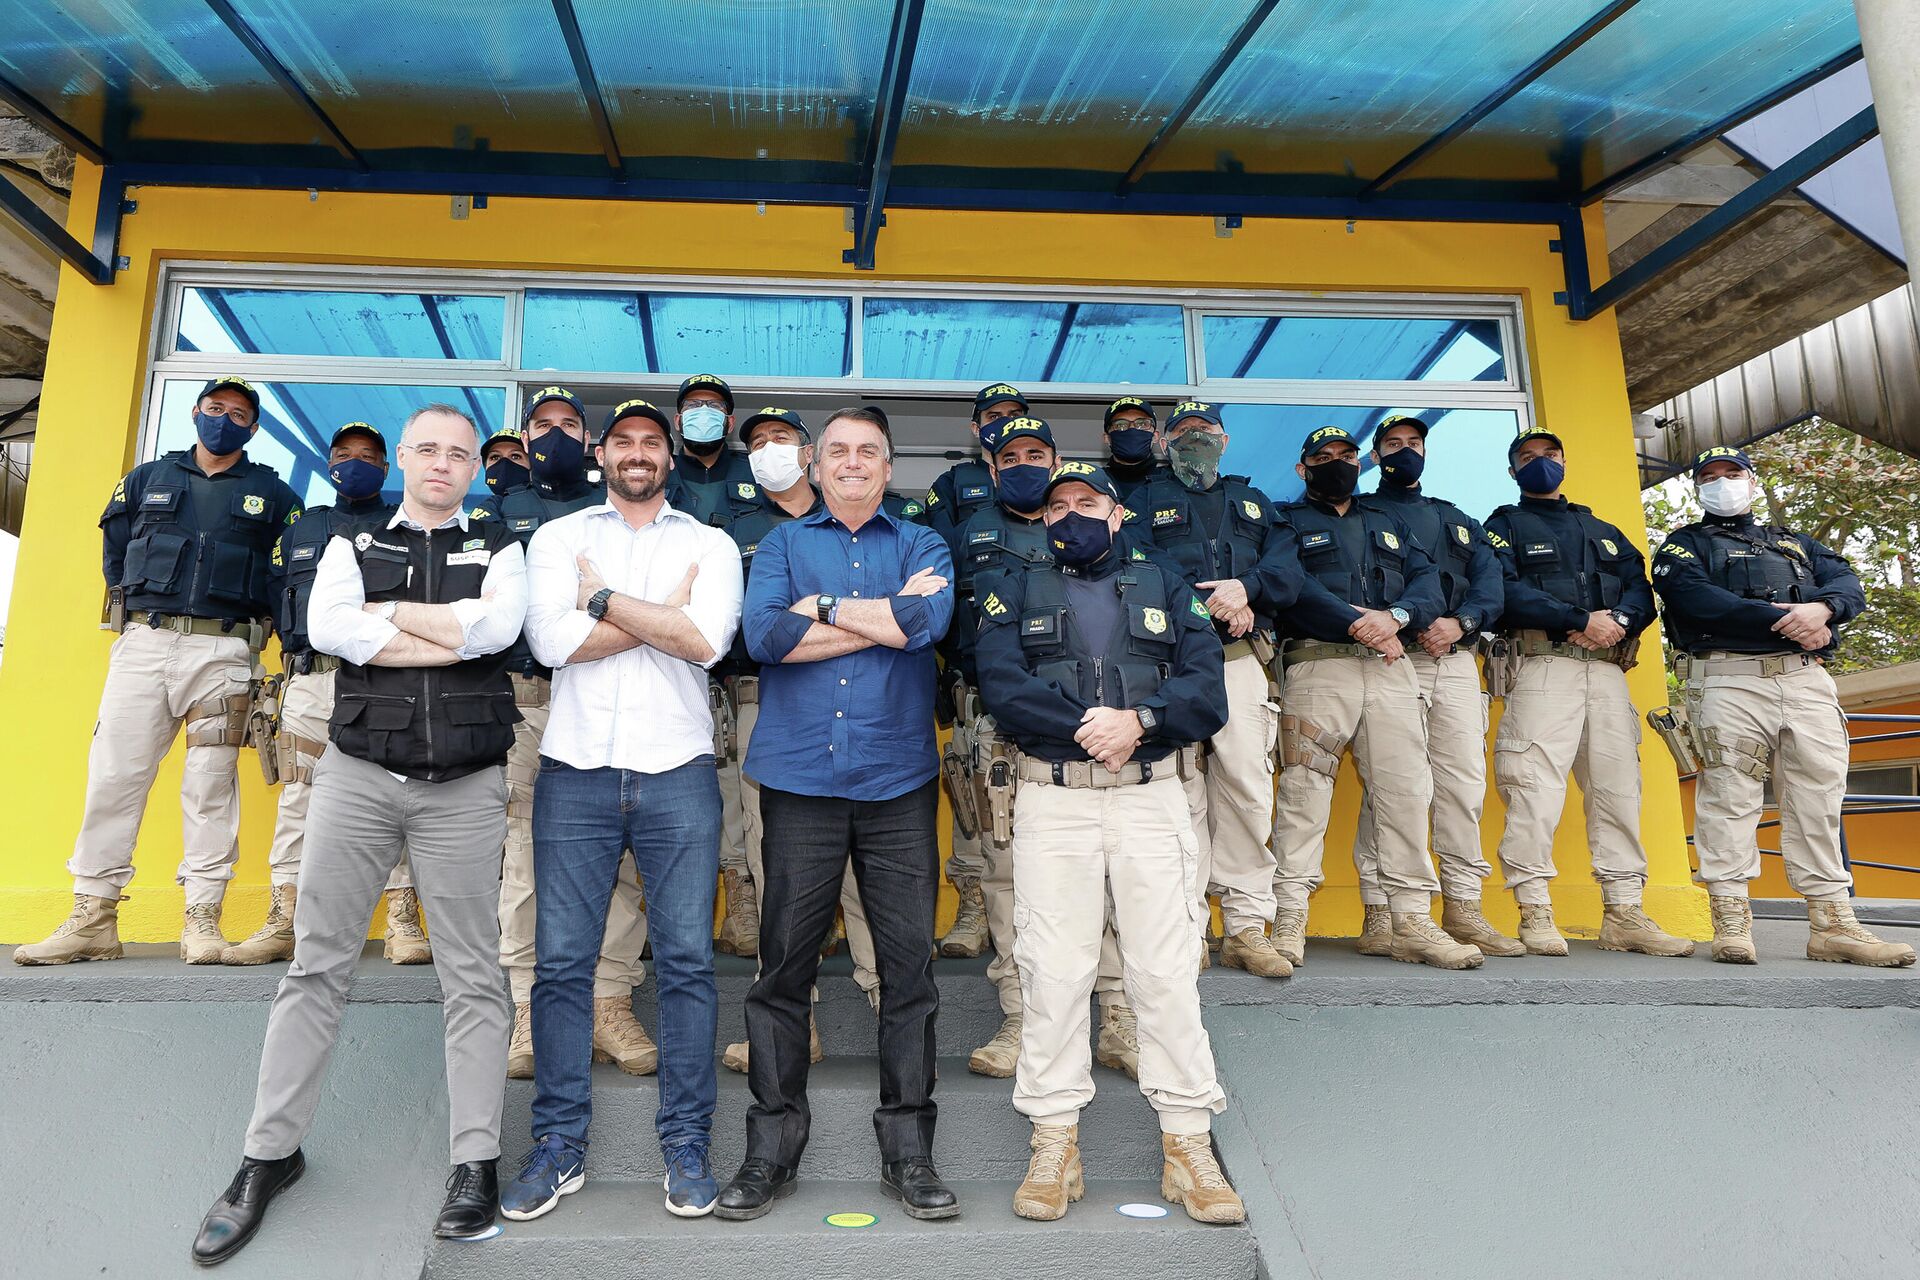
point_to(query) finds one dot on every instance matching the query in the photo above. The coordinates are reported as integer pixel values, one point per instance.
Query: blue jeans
(582, 820)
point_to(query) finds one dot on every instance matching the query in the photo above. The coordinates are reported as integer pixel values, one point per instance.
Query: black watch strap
(598, 602)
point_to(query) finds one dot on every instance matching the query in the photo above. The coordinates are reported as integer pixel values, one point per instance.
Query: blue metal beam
(1488, 105)
(890, 103)
(1249, 26)
(1646, 272)
(1707, 132)
(38, 112)
(1067, 318)
(277, 71)
(589, 83)
(41, 227)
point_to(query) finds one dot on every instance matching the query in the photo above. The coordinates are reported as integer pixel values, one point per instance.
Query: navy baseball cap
(1722, 453)
(994, 435)
(503, 434)
(775, 414)
(1128, 402)
(1205, 410)
(1095, 478)
(704, 382)
(239, 384)
(1320, 437)
(1400, 420)
(639, 409)
(366, 429)
(544, 394)
(1533, 433)
(996, 393)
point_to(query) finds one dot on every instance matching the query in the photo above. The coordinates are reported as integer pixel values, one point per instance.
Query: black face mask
(504, 475)
(1079, 540)
(1402, 467)
(558, 458)
(1131, 446)
(1333, 480)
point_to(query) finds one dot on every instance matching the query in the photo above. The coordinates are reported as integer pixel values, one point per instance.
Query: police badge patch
(361, 541)
(1155, 620)
(253, 504)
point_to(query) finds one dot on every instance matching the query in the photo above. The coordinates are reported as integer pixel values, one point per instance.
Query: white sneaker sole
(566, 1188)
(698, 1212)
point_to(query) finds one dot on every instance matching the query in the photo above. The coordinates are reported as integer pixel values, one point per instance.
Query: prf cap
(996, 435)
(1128, 402)
(503, 435)
(704, 382)
(239, 384)
(366, 429)
(544, 394)
(1095, 478)
(639, 409)
(774, 414)
(1320, 437)
(1722, 453)
(1401, 420)
(1204, 410)
(1532, 433)
(996, 393)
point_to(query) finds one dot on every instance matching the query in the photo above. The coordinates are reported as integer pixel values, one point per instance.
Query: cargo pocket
(372, 718)
(481, 724)
(1270, 735)
(154, 563)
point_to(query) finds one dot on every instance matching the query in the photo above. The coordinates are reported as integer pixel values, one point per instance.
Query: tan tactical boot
(996, 1057)
(619, 1038)
(1733, 930)
(1461, 919)
(274, 941)
(1206, 948)
(735, 1057)
(1837, 936)
(1418, 940)
(1192, 1177)
(968, 937)
(406, 937)
(520, 1048)
(90, 932)
(1289, 935)
(1249, 949)
(1538, 933)
(740, 929)
(1625, 927)
(1376, 930)
(1119, 1044)
(201, 941)
(1054, 1176)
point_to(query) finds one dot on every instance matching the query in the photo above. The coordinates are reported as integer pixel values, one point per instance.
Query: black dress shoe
(753, 1190)
(473, 1200)
(242, 1207)
(918, 1189)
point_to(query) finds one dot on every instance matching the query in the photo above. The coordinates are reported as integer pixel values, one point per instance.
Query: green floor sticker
(850, 1220)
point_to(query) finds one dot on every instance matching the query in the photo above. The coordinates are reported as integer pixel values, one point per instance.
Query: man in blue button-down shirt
(842, 612)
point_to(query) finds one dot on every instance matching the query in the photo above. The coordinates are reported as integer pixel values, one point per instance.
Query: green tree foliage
(1856, 496)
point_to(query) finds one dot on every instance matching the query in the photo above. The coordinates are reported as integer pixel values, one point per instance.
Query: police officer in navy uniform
(1226, 539)
(710, 481)
(504, 461)
(1132, 432)
(967, 485)
(1102, 670)
(357, 467)
(1756, 610)
(188, 541)
(1577, 599)
(1455, 704)
(554, 426)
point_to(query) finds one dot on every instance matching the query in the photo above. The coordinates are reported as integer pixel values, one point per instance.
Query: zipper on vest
(1099, 683)
(427, 683)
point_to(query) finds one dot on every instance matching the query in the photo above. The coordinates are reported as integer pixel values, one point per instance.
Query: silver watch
(388, 609)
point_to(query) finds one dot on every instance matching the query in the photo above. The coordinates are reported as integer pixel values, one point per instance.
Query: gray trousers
(359, 818)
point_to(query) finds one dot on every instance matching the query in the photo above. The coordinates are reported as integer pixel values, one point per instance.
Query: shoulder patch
(1127, 514)
(994, 606)
(253, 504)
(119, 491)
(1197, 609)
(1675, 550)
(933, 498)
(277, 561)
(1497, 540)
(479, 513)
(911, 510)
(1138, 554)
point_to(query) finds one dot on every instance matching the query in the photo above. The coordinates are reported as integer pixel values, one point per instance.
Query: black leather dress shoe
(473, 1200)
(918, 1189)
(242, 1207)
(753, 1190)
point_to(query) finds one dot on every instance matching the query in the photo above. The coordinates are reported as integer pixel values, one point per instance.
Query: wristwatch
(387, 610)
(1149, 722)
(1620, 616)
(824, 606)
(1400, 615)
(1469, 625)
(597, 603)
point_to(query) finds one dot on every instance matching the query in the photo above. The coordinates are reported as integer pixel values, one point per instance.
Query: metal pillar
(1890, 36)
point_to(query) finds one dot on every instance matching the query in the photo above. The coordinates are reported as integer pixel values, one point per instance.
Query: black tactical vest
(730, 494)
(1441, 530)
(1361, 557)
(521, 512)
(971, 487)
(1585, 575)
(993, 540)
(431, 723)
(1054, 649)
(297, 557)
(1167, 513)
(207, 564)
(1755, 562)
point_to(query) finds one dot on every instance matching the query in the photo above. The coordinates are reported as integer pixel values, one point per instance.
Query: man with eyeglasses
(188, 545)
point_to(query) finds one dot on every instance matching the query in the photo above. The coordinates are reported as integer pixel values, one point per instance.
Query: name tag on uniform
(1739, 555)
(160, 498)
(979, 536)
(521, 526)
(1169, 515)
(1537, 549)
(304, 553)
(973, 492)
(1315, 541)
(482, 556)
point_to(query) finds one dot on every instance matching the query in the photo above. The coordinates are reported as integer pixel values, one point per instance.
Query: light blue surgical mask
(703, 424)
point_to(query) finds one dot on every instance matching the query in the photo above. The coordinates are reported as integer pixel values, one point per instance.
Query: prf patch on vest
(1677, 551)
(993, 605)
(1497, 540)
(304, 553)
(974, 492)
(979, 536)
(1537, 550)
(1168, 515)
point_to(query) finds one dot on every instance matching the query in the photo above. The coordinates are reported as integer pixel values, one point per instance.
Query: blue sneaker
(555, 1167)
(690, 1185)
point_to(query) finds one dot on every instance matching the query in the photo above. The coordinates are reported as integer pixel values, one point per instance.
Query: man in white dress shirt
(629, 602)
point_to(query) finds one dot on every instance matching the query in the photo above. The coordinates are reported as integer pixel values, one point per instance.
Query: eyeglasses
(456, 456)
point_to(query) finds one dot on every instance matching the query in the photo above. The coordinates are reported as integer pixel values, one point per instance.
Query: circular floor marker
(1139, 1210)
(850, 1220)
(488, 1234)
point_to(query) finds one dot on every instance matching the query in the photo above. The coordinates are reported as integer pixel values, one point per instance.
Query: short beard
(644, 491)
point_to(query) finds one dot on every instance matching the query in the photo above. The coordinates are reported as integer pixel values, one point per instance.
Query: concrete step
(620, 1228)
(980, 1135)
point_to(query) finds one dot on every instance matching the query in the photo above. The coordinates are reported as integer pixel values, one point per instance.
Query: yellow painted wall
(56, 656)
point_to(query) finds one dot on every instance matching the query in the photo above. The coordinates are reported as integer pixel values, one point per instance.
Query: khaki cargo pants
(156, 680)
(1331, 705)
(1084, 858)
(1566, 713)
(1456, 718)
(1238, 859)
(306, 707)
(1793, 724)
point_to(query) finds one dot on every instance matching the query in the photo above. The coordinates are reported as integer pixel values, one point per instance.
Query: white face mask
(776, 466)
(1728, 496)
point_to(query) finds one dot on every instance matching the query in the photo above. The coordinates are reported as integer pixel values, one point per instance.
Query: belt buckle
(1774, 664)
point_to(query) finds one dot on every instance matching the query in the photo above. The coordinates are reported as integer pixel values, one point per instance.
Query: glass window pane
(1380, 348)
(1466, 449)
(303, 322)
(298, 419)
(967, 340)
(734, 335)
